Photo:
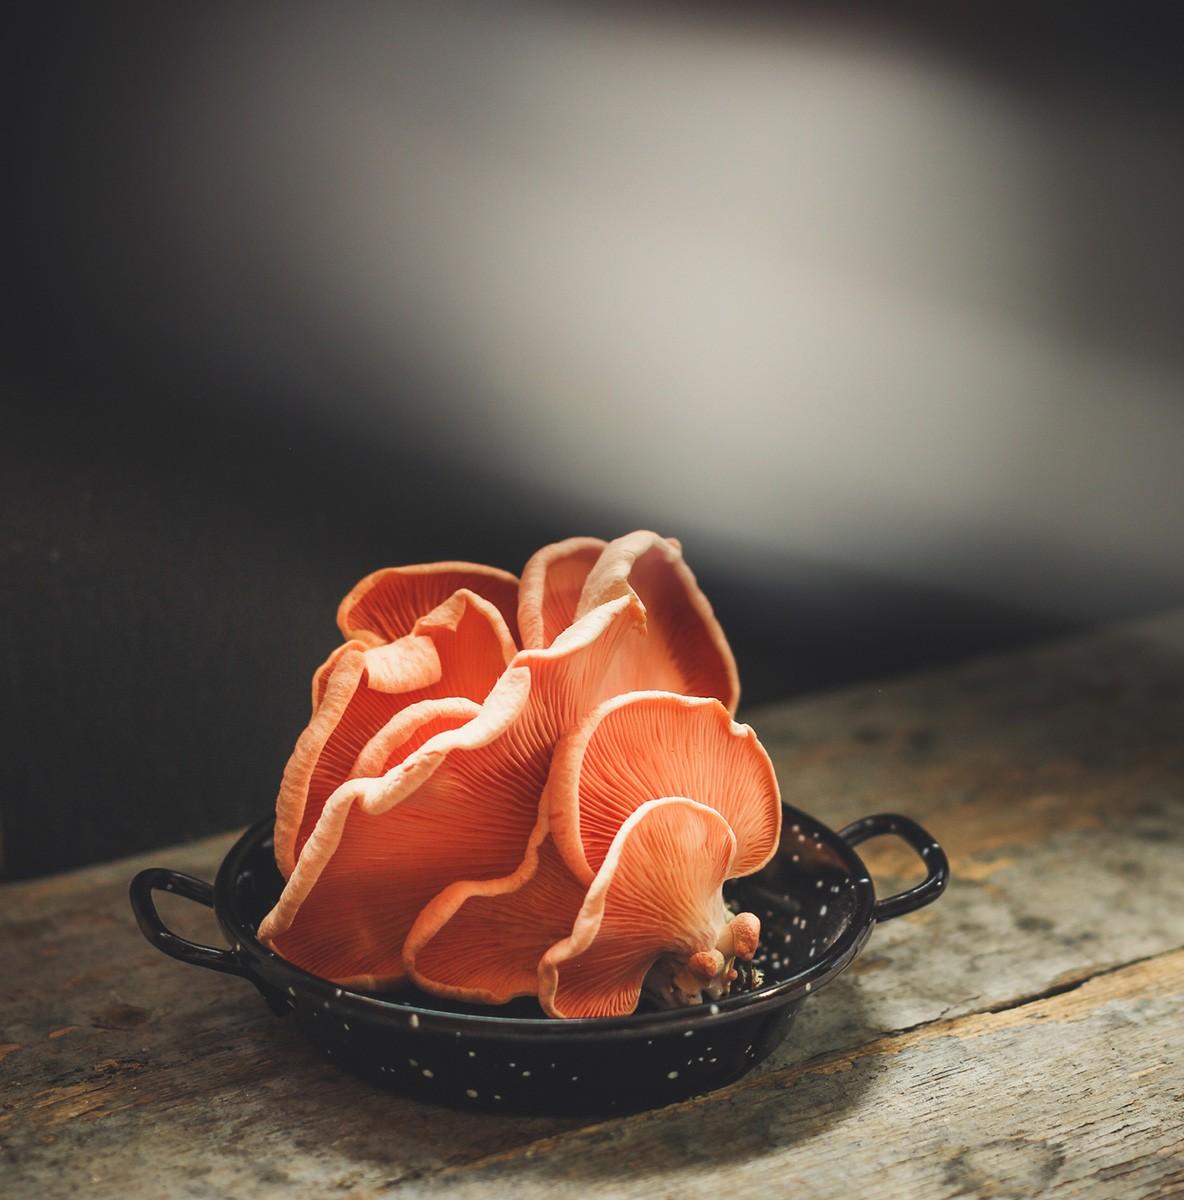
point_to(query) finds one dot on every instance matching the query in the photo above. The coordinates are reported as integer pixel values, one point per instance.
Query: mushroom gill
(629, 750)
(552, 581)
(385, 605)
(459, 649)
(639, 745)
(685, 649)
(653, 917)
(462, 806)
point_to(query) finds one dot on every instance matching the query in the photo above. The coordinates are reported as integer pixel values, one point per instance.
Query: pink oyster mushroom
(493, 940)
(432, 736)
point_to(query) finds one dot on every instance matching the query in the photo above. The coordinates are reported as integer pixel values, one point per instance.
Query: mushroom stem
(675, 981)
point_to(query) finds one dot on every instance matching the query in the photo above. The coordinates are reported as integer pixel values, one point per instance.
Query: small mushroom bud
(706, 964)
(741, 938)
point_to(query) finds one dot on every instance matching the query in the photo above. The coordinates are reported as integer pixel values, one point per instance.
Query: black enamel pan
(817, 907)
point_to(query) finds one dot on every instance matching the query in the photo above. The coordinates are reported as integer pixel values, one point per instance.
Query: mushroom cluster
(526, 787)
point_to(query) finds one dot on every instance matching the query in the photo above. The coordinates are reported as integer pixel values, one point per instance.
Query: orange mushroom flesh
(458, 649)
(323, 673)
(685, 649)
(629, 750)
(680, 645)
(386, 604)
(485, 943)
(409, 808)
(482, 942)
(549, 593)
(339, 915)
(640, 745)
(654, 917)
(461, 807)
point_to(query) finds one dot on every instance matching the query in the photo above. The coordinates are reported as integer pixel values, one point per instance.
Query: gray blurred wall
(790, 290)
(880, 314)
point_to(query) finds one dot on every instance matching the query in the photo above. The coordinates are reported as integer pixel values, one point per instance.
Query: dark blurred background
(881, 318)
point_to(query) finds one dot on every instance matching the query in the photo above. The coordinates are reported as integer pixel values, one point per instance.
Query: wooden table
(1022, 1037)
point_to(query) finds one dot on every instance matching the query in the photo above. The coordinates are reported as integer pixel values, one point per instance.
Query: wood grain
(127, 1073)
(991, 1104)
(1055, 778)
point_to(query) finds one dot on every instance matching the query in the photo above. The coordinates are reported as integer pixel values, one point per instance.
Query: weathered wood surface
(1023, 1037)
(990, 1104)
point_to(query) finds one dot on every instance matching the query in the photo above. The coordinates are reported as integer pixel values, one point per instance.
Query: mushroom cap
(482, 941)
(640, 745)
(552, 581)
(339, 915)
(323, 673)
(460, 648)
(658, 892)
(386, 604)
(461, 806)
(685, 649)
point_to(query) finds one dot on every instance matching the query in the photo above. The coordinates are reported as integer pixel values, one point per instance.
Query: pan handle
(932, 855)
(163, 938)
